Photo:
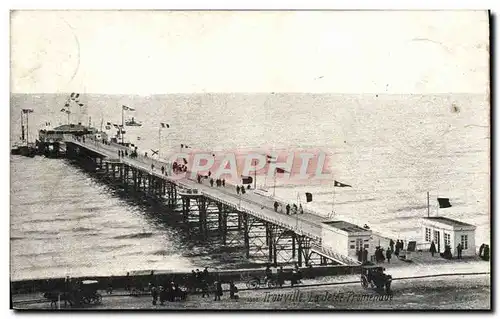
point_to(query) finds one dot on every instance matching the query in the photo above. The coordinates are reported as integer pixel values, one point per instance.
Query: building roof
(448, 221)
(346, 226)
(70, 127)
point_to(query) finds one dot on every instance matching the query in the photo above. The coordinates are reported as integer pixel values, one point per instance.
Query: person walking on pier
(391, 244)
(218, 290)
(223, 183)
(295, 209)
(281, 277)
(152, 166)
(233, 291)
(388, 254)
(211, 182)
(162, 170)
(242, 188)
(288, 209)
(433, 249)
(301, 210)
(459, 251)
(237, 190)
(276, 206)
(154, 295)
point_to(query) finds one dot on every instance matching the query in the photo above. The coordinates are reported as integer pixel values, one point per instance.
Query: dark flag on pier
(77, 95)
(247, 179)
(108, 123)
(444, 202)
(309, 197)
(25, 111)
(164, 125)
(81, 104)
(339, 184)
(127, 108)
(115, 125)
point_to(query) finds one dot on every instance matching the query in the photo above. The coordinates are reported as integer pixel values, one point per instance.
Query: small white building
(446, 231)
(345, 238)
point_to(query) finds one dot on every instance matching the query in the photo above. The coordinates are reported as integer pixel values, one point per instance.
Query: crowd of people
(293, 209)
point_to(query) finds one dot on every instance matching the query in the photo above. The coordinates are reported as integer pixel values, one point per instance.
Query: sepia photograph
(250, 160)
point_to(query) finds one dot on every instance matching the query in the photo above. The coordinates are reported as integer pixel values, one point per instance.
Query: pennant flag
(132, 145)
(127, 108)
(77, 95)
(339, 184)
(80, 104)
(115, 125)
(247, 179)
(444, 202)
(26, 111)
(164, 125)
(108, 123)
(280, 170)
(63, 110)
(309, 197)
(154, 152)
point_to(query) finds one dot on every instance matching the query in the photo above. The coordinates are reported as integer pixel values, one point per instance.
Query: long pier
(248, 220)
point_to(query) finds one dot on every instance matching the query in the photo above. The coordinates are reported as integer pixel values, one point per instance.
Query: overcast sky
(146, 52)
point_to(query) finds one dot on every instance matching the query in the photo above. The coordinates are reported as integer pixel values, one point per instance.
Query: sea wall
(141, 279)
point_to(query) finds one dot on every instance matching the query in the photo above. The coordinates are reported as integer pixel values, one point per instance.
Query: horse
(55, 297)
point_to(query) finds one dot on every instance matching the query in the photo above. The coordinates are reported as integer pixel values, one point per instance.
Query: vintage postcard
(262, 160)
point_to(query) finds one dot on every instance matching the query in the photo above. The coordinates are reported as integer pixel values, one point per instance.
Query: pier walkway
(307, 225)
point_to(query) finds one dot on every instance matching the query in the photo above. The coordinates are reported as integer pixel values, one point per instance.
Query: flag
(280, 170)
(309, 197)
(25, 111)
(444, 202)
(247, 179)
(63, 110)
(127, 108)
(115, 125)
(164, 125)
(108, 123)
(66, 105)
(72, 94)
(77, 95)
(68, 111)
(339, 184)
(80, 104)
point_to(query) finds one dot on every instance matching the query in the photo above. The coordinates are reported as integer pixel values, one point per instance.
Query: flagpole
(274, 187)
(22, 127)
(27, 128)
(255, 177)
(121, 128)
(428, 205)
(159, 142)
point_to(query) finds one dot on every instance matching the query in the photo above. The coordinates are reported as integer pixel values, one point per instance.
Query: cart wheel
(253, 284)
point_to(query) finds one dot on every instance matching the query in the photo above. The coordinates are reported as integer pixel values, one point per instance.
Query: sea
(392, 150)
